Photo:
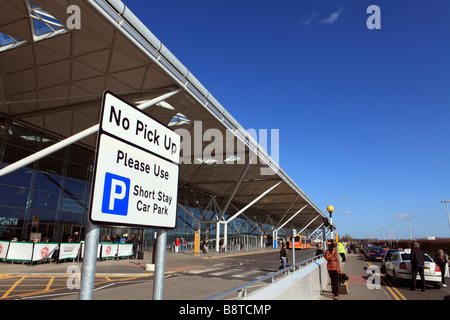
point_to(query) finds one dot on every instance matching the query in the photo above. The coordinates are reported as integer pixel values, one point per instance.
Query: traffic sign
(137, 168)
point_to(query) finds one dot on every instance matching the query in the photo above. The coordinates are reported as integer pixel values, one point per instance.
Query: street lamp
(330, 209)
(448, 216)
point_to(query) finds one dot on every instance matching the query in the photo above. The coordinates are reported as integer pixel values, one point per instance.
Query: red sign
(45, 251)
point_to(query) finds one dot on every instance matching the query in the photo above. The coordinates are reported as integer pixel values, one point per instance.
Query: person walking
(283, 256)
(177, 244)
(334, 269)
(135, 241)
(417, 266)
(319, 249)
(205, 245)
(183, 244)
(441, 261)
(341, 250)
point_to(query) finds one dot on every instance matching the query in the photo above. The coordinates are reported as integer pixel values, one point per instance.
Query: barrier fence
(12, 251)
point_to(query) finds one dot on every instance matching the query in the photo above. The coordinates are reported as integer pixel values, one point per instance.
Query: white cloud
(333, 17)
(310, 19)
(348, 212)
(401, 216)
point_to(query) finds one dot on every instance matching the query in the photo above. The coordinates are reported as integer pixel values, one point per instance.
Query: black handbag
(342, 277)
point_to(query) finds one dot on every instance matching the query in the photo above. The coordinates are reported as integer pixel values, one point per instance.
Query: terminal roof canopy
(53, 78)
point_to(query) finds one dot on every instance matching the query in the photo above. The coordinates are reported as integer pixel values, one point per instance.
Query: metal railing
(242, 291)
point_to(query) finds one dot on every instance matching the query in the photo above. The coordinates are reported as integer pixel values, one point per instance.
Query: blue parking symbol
(116, 193)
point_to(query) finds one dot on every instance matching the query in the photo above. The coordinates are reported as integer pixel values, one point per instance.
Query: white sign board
(137, 169)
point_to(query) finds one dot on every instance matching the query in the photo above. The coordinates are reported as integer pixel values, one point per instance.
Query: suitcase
(141, 255)
(344, 288)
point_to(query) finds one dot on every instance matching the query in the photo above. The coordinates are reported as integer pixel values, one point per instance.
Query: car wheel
(396, 280)
(437, 285)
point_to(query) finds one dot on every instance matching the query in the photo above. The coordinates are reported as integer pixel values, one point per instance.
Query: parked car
(398, 267)
(375, 253)
(386, 257)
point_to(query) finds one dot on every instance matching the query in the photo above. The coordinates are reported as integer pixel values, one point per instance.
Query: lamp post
(330, 209)
(448, 216)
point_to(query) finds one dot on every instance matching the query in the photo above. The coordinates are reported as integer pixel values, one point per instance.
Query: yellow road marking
(49, 284)
(389, 286)
(12, 288)
(50, 287)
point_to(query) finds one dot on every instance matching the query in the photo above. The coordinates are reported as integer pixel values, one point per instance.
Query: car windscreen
(407, 256)
(377, 250)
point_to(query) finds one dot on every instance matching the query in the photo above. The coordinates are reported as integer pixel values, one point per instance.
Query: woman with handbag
(331, 255)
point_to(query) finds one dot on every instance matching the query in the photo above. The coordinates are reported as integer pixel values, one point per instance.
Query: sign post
(136, 176)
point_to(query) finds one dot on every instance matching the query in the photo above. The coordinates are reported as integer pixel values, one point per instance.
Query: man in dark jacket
(283, 256)
(417, 265)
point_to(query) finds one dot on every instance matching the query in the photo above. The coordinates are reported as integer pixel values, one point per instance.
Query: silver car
(398, 267)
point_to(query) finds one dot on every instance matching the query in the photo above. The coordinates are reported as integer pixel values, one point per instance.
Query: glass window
(47, 142)
(80, 155)
(75, 188)
(20, 178)
(13, 154)
(44, 216)
(14, 197)
(51, 164)
(3, 127)
(44, 201)
(71, 218)
(73, 205)
(23, 137)
(12, 216)
(77, 172)
(48, 182)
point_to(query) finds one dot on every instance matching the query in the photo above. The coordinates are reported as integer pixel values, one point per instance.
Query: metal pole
(293, 247)
(448, 216)
(446, 205)
(89, 262)
(158, 284)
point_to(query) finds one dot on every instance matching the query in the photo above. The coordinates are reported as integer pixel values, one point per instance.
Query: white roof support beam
(315, 230)
(306, 226)
(70, 140)
(293, 216)
(252, 203)
(236, 187)
(296, 197)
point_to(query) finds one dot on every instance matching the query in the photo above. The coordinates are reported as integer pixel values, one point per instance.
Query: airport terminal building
(57, 58)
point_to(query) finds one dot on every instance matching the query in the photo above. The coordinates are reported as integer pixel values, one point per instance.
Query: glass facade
(56, 190)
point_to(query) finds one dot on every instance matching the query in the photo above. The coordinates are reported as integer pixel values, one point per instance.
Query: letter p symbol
(116, 194)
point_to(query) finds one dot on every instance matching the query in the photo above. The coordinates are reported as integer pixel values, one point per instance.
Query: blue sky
(363, 114)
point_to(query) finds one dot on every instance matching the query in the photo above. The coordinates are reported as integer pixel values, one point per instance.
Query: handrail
(272, 275)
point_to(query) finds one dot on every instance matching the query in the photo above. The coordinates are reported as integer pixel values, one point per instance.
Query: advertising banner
(69, 250)
(44, 250)
(20, 251)
(109, 250)
(4, 245)
(125, 250)
(99, 247)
